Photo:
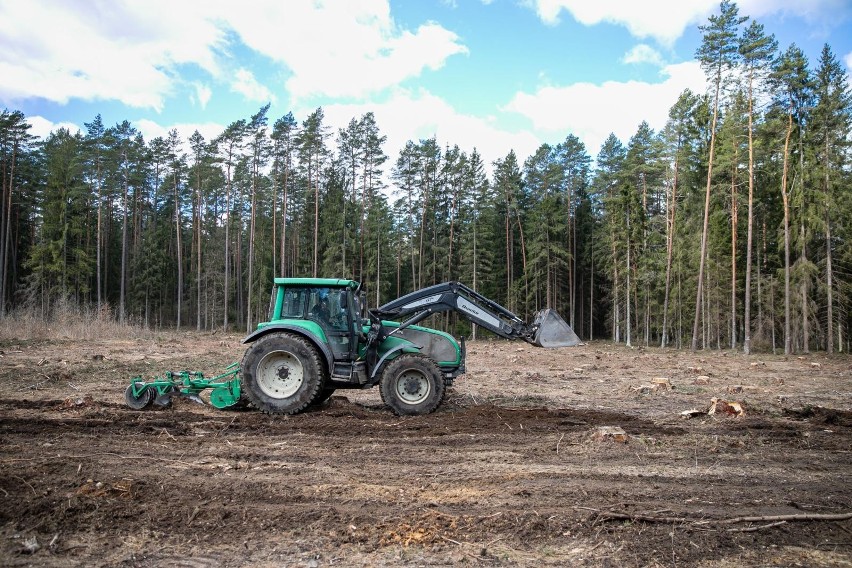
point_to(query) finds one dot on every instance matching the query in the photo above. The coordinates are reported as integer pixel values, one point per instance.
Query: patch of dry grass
(67, 321)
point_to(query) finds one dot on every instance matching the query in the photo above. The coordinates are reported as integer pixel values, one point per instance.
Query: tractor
(320, 339)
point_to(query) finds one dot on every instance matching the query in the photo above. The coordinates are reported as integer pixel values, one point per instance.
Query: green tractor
(319, 339)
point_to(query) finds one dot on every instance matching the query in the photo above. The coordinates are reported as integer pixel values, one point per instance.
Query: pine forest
(729, 228)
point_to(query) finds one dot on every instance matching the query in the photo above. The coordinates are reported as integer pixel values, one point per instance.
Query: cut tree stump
(610, 433)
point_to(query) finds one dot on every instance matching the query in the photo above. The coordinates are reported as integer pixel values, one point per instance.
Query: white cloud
(643, 53)
(830, 12)
(245, 84)
(414, 116)
(848, 59)
(203, 94)
(42, 127)
(100, 51)
(592, 112)
(308, 38)
(150, 130)
(139, 52)
(663, 20)
(666, 20)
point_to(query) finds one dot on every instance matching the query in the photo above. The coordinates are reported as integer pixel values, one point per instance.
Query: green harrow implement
(158, 392)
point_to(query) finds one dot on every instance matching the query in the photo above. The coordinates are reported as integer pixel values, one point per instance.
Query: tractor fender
(390, 352)
(307, 334)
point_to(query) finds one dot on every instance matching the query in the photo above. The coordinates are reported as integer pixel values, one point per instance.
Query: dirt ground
(523, 465)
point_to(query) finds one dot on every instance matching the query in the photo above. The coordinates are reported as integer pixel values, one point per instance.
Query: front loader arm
(455, 296)
(547, 330)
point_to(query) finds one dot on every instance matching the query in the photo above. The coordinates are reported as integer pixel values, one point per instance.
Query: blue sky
(492, 74)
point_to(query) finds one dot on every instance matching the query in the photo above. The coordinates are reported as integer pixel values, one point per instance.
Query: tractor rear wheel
(412, 384)
(323, 396)
(282, 373)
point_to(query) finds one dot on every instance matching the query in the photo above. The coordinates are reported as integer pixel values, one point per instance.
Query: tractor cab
(327, 308)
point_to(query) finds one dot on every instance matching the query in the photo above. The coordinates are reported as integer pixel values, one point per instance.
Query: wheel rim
(280, 374)
(412, 386)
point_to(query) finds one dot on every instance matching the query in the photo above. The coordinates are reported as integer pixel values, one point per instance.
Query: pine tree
(575, 163)
(60, 262)
(15, 143)
(831, 128)
(790, 76)
(405, 174)
(678, 132)
(283, 138)
(373, 211)
(177, 166)
(312, 153)
(507, 185)
(124, 154)
(259, 149)
(95, 148)
(606, 185)
(717, 55)
(757, 51)
(229, 145)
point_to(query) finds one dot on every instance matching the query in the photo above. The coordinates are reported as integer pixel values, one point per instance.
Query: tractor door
(330, 308)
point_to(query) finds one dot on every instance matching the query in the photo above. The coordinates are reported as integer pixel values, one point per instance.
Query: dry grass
(67, 321)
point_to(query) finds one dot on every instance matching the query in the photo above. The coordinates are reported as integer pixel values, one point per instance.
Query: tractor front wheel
(282, 373)
(412, 384)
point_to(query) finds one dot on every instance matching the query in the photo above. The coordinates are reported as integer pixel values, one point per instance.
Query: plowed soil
(523, 465)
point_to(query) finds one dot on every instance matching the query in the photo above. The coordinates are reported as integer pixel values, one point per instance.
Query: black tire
(141, 402)
(282, 373)
(323, 396)
(412, 384)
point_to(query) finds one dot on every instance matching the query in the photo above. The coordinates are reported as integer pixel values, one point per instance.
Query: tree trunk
(829, 286)
(98, 240)
(627, 323)
(591, 297)
(7, 233)
(670, 226)
(283, 270)
(316, 215)
(747, 307)
(250, 292)
(198, 251)
(803, 290)
(123, 282)
(706, 217)
(227, 294)
(179, 252)
(734, 226)
(785, 198)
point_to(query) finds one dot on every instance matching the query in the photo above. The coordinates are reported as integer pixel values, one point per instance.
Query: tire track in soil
(485, 480)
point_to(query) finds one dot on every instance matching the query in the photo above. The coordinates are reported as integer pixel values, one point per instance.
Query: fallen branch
(25, 482)
(793, 518)
(761, 527)
(616, 516)
(773, 520)
(35, 386)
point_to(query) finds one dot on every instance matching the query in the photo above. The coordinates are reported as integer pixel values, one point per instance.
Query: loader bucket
(552, 331)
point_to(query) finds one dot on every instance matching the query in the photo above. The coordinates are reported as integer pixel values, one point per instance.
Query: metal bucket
(552, 331)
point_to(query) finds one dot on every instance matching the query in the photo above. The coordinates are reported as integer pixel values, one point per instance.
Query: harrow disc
(141, 401)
